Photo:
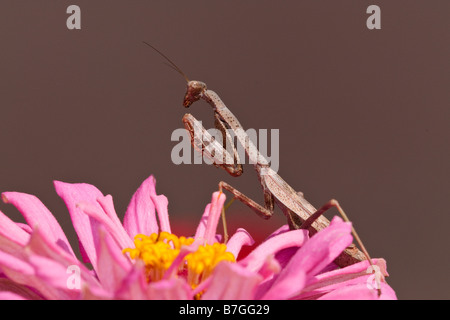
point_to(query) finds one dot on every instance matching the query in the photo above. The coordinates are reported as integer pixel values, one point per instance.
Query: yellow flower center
(202, 262)
(158, 252)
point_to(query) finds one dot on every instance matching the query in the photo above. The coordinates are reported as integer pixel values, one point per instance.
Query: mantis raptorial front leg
(221, 157)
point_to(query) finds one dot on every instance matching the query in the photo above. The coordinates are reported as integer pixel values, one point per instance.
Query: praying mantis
(299, 212)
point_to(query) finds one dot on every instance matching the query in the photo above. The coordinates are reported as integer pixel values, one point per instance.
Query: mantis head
(194, 91)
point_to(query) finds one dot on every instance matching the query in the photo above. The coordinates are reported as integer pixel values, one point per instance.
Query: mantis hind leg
(353, 255)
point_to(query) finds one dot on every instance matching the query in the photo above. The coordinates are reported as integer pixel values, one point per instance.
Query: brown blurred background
(363, 114)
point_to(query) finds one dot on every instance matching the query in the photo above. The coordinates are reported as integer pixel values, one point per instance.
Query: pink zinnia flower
(141, 259)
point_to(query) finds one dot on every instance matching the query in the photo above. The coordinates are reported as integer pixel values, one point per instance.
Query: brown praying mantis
(299, 212)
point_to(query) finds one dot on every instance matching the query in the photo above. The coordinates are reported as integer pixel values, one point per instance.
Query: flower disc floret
(202, 262)
(159, 251)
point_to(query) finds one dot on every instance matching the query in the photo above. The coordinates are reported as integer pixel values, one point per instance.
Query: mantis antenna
(171, 63)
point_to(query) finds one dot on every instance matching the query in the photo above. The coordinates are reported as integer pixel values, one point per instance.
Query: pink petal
(96, 293)
(286, 285)
(285, 255)
(7, 285)
(112, 265)
(201, 228)
(258, 257)
(12, 232)
(217, 201)
(330, 280)
(173, 289)
(360, 292)
(37, 214)
(270, 267)
(15, 268)
(231, 281)
(322, 248)
(310, 259)
(140, 217)
(107, 205)
(53, 274)
(23, 273)
(25, 227)
(184, 251)
(5, 295)
(51, 264)
(85, 226)
(239, 239)
(116, 230)
(134, 285)
(359, 273)
(356, 292)
(40, 245)
(9, 246)
(161, 203)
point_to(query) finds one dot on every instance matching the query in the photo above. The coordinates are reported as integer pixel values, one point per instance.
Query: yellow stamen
(158, 252)
(201, 263)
